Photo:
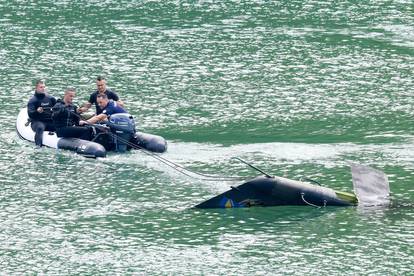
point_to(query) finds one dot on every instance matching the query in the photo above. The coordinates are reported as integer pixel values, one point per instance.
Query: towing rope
(181, 169)
(171, 164)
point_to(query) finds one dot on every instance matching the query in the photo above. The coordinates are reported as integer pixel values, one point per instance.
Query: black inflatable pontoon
(119, 136)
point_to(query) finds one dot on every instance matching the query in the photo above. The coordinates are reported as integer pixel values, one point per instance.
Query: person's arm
(120, 103)
(85, 107)
(116, 99)
(97, 118)
(52, 103)
(58, 110)
(32, 109)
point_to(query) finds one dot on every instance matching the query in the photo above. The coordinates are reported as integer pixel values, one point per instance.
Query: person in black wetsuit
(101, 90)
(66, 118)
(39, 111)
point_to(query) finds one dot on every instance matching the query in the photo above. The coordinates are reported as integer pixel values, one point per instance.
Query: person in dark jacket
(66, 118)
(101, 90)
(39, 111)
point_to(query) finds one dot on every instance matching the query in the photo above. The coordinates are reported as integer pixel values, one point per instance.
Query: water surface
(297, 88)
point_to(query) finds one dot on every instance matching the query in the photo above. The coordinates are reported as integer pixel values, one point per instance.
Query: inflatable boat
(118, 135)
(370, 186)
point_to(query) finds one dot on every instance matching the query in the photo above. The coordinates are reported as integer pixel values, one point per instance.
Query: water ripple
(297, 88)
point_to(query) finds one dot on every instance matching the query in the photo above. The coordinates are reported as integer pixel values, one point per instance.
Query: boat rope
(302, 194)
(174, 165)
(181, 169)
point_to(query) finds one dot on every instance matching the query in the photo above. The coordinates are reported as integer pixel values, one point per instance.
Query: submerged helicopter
(371, 187)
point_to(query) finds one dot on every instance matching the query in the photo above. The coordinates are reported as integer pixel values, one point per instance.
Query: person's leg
(84, 133)
(49, 127)
(38, 127)
(63, 132)
(74, 132)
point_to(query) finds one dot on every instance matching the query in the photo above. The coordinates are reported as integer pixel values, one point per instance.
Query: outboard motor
(122, 125)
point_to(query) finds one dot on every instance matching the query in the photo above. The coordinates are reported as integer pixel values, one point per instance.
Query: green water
(298, 88)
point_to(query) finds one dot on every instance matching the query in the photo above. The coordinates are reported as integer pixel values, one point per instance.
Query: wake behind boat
(119, 136)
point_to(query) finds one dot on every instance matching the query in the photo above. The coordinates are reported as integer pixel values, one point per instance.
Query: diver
(66, 118)
(39, 112)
